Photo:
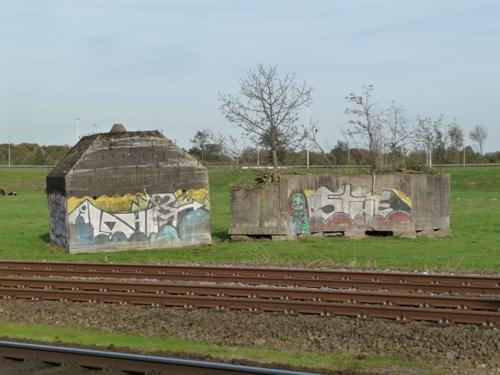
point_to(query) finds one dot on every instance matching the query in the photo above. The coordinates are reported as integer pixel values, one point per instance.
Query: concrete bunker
(128, 190)
(356, 205)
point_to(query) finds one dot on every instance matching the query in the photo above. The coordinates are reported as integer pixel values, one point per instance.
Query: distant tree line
(393, 141)
(214, 153)
(266, 111)
(340, 154)
(382, 138)
(31, 154)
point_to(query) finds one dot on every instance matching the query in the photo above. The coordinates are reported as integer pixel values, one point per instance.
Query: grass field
(473, 246)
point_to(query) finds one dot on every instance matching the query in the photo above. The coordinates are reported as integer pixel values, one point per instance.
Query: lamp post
(77, 120)
(348, 154)
(309, 135)
(306, 135)
(10, 140)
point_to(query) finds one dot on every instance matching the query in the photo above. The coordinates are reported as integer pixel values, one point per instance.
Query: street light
(309, 135)
(10, 140)
(306, 137)
(77, 129)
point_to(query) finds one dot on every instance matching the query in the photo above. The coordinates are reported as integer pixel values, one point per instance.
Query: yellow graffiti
(309, 192)
(138, 201)
(116, 203)
(405, 198)
(186, 196)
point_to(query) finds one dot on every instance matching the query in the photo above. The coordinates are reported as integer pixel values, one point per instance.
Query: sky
(161, 64)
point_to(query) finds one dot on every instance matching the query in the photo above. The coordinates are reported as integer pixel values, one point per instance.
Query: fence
(5, 166)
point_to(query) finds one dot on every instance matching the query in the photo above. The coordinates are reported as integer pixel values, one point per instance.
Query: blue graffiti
(167, 233)
(118, 237)
(194, 223)
(84, 232)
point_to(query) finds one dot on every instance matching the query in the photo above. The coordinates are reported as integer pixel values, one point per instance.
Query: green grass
(80, 336)
(473, 246)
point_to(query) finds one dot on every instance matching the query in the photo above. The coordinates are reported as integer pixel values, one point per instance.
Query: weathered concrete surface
(403, 204)
(128, 190)
(258, 211)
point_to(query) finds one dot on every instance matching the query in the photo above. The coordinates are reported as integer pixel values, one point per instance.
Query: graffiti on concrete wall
(173, 218)
(348, 208)
(299, 213)
(57, 219)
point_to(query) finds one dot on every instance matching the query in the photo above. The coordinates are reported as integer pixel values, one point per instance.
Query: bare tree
(200, 140)
(456, 136)
(310, 133)
(367, 125)
(267, 109)
(399, 132)
(229, 145)
(479, 135)
(429, 134)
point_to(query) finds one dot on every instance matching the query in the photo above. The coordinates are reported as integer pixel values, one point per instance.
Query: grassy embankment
(177, 347)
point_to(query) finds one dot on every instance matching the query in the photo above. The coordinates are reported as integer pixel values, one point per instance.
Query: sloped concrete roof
(117, 132)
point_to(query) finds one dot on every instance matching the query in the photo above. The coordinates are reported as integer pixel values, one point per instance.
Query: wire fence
(264, 167)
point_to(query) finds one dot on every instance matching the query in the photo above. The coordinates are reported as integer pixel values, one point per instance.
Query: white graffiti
(324, 203)
(168, 207)
(161, 209)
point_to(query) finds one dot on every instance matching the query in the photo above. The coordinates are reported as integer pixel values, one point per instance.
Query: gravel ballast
(457, 348)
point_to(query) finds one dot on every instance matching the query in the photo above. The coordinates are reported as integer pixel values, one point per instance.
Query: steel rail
(271, 276)
(255, 304)
(264, 272)
(130, 363)
(257, 279)
(341, 296)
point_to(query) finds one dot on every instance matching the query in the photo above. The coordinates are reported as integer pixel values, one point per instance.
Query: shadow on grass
(45, 237)
(222, 235)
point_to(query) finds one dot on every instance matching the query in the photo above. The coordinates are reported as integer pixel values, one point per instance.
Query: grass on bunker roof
(473, 246)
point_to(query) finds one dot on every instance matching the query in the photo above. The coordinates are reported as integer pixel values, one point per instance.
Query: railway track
(145, 285)
(51, 285)
(364, 311)
(26, 358)
(404, 281)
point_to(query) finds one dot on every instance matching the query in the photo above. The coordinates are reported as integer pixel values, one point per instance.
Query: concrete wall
(259, 211)
(58, 220)
(139, 221)
(405, 204)
(130, 191)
